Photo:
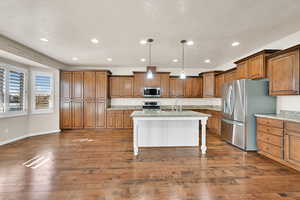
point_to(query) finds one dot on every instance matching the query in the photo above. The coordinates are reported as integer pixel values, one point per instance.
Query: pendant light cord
(182, 56)
(149, 53)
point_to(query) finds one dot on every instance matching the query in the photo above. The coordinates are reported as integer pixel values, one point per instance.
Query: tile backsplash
(166, 101)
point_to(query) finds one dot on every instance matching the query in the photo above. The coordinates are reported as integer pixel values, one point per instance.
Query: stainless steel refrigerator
(241, 99)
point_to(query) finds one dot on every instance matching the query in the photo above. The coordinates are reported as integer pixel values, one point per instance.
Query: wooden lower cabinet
(119, 119)
(279, 140)
(213, 122)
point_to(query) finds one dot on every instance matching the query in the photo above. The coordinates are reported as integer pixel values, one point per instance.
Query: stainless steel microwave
(151, 92)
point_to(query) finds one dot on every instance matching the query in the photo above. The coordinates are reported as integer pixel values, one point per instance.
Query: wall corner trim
(30, 135)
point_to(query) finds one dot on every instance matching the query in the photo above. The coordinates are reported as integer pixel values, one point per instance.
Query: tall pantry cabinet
(83, 99)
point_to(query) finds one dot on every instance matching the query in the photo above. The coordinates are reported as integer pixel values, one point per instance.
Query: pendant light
(149, 72)
(182, 74)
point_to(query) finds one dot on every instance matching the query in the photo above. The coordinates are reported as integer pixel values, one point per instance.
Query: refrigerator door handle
(233, 122)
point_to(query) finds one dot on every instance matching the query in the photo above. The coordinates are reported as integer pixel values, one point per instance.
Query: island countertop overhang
(170, 114)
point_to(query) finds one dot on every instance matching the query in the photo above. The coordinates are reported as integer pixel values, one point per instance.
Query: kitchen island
(168, 129)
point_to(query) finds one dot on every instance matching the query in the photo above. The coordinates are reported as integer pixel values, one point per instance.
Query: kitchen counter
(166, 114)
(169, 107)
(284, 115)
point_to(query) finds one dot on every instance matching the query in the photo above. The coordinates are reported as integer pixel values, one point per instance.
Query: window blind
(42, 92)
(16, 91)
(2, 90)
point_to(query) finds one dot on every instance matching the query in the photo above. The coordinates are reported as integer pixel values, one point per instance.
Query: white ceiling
(119, 25)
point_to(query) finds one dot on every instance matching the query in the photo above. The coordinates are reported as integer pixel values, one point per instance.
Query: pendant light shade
(149, 71)
(182, 75)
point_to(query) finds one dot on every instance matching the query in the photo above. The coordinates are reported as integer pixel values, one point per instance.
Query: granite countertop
(168, 114)
(168, 107)
(283, 115)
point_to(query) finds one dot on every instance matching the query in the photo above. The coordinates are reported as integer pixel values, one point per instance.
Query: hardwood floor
(100, 165)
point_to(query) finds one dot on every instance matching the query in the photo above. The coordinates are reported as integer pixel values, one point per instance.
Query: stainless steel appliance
(241, 99)
(151, 106)
(151, 92)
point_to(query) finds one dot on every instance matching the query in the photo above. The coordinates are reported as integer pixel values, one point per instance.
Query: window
(12, 91)
(42, 98)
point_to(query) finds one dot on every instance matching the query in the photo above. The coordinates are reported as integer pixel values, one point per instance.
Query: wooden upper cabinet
(242, 70)
(257, 67)
(193, 87)
(209, 85)
(138, 84)
(219, 80)
(230, 76)
(114, 84)
(154, 82)
(89, 85)
(126, 85)
(284, 73)
(165, 84)
(176, 87)
(66, 81)
(101, 81)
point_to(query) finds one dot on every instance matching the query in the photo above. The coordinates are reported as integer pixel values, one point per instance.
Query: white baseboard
(30, 135)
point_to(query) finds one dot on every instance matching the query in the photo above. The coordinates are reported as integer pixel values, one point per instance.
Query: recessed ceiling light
(143, 60)
(234, 44)
(75, 58)
(95, 41)
(175, 60)
(109, 59)
(190, 43)
(207, 61)
(44, 39)
(143, 42)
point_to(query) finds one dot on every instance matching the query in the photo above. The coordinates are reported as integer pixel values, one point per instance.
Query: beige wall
(32, 124)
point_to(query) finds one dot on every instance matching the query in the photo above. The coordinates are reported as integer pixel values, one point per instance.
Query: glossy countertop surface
(283, 115)
(168, 114)
(168, 107)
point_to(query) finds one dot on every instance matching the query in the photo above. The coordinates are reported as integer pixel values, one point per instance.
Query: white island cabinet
(168, 128)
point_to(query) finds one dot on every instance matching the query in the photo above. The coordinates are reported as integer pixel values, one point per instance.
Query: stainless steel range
(241, 99)
(151, 106)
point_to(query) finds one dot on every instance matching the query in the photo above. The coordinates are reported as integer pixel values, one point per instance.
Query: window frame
(7, 113)
(33, 93)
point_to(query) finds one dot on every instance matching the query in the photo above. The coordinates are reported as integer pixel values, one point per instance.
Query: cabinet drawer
(271, 139)
(270, 149)
(270, 122)
(292, 126)
(269, 130)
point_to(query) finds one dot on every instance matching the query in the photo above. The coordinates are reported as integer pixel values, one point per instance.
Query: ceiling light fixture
(109, 59)
(234, 44)
(44, 39)
(143, 59)
(75, 58)
(95, 40)
(190, 43)
(143, 42)
(182, 74)
(175, 60)
(149, 72)
(207, 61)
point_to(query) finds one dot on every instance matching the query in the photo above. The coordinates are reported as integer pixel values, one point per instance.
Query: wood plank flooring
(99, 165)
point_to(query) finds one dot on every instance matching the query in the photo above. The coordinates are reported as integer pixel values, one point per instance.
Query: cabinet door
(197, 87)
(256, 68)
(164, 85)
(209, 85)
(176, 87)
(101, 85)
(114, 87)
(110, 119)
(100, 115)
(126, 85)
(188, 87)
(138, 84)
(119, 119)
(230, 76)
(77, 100)
(127, 120)
(89, 85)
(284, 74)
(89, 114)
(66, 97)
(219, 82)
(292, 148)
(242, 70)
